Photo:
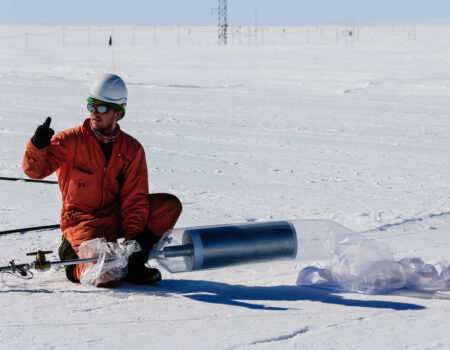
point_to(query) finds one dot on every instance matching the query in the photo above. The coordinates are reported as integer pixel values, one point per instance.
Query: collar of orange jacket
(87, 127)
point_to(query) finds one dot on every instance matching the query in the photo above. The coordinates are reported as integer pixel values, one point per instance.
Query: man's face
(103, 122)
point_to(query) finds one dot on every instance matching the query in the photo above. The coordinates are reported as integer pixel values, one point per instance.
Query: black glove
(146, 240)
(43, 134)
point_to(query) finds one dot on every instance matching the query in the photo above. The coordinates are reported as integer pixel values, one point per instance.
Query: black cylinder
(238, 244)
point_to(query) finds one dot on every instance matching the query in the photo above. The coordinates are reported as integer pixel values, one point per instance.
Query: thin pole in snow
(27, 229)
(27, 180)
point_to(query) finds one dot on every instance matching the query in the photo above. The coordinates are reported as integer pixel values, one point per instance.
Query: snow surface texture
(306, 123)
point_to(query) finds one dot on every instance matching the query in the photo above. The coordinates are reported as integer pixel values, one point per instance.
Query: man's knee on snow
(175, 205)
(164, 211)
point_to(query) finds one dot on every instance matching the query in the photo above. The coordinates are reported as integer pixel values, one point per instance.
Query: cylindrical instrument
(188, 249)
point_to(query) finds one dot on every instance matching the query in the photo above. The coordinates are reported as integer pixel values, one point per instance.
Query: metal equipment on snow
(199, 248)
(40, 263)
(221, 246)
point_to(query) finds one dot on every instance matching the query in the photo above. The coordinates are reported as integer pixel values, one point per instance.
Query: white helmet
(109, 88)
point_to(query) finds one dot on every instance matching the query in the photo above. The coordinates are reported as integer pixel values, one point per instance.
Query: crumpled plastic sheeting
(111, 264)
(365, 266)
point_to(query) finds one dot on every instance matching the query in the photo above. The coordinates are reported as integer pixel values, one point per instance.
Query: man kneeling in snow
(102, 175)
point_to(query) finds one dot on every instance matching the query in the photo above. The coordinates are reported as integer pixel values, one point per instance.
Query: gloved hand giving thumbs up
(43, 134)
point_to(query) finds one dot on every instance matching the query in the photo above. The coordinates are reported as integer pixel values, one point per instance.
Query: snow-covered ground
(289, 123)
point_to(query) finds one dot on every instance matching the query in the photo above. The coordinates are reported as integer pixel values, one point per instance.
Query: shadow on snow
(236, 295)
(243, 296)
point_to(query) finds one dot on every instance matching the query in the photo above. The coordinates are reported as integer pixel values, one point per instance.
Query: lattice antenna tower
(222, 10)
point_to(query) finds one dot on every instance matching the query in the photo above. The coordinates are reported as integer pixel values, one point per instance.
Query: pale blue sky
(200, 12)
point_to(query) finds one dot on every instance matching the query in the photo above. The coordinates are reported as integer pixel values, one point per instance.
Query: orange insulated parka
(99, 199)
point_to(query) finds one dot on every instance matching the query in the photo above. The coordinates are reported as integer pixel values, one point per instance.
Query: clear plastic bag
(423, 276)
(112, 261)
(366, 266)
(361, 265)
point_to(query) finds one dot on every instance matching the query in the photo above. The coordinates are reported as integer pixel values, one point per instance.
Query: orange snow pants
(164, 211)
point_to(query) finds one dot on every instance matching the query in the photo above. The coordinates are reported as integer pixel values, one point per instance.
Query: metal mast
(222, 27)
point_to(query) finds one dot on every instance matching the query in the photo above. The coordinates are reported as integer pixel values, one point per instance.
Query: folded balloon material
(365, 266)
(112, 261)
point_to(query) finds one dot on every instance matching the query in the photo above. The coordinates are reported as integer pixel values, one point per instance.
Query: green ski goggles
(104, 107)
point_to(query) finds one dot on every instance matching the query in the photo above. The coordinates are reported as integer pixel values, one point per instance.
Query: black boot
(138, 272)
(66, 252)
(141, 274)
